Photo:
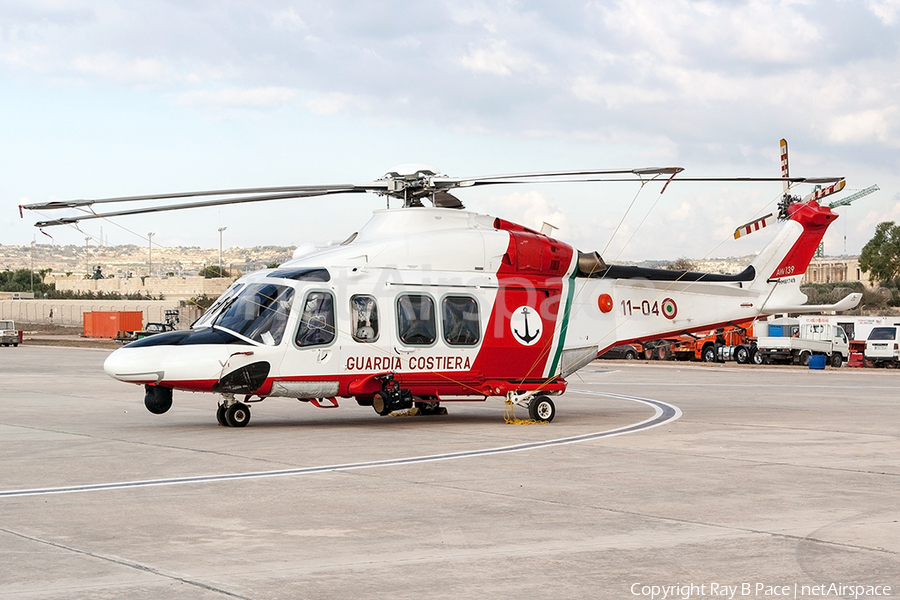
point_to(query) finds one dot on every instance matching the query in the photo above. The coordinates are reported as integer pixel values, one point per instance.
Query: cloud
(110, 67)
(885, 10)
(530, 209)
(287, 20)
(492, 85)
(615, 95)
(270, 97)
(865, 126)
(330, 104)
(497, 58)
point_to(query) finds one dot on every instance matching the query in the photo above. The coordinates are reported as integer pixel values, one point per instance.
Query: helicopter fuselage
(447, 304)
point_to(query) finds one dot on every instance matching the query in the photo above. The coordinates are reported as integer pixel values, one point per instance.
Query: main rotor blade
(784, 179)
(206, 203)
(375, 186)
(553, 176)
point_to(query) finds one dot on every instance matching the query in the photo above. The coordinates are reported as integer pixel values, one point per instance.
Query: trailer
(810, 339)
(734, 342)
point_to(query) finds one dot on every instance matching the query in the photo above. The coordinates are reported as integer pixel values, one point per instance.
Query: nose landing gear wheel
(541, 408)
(237, 415)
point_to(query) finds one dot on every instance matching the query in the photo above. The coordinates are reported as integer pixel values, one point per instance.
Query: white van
(883, 345)
(8, 333)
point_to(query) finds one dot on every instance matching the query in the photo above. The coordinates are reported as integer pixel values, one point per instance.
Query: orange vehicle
(734, 342)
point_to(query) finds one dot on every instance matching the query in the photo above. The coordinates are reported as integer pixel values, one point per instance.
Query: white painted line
(663, 413)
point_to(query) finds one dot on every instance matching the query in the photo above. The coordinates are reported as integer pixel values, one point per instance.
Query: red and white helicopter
(431, 304)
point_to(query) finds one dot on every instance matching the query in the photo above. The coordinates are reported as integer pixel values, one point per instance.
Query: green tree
(202, 301)
(880, 257)
(211, 271)
(681, 264)
(24, 280)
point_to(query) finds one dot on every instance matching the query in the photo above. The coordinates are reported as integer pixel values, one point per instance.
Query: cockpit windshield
(258, 312)
(206, 319)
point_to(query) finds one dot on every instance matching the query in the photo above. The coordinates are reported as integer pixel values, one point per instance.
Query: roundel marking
(669, 308)
(526, 325)
(605, 303)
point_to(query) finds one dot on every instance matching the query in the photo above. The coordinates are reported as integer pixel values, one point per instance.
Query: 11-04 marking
(667, 308)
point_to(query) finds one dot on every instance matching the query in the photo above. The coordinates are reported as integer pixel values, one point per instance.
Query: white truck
(8, 333)
(883, 346)
(811, 339)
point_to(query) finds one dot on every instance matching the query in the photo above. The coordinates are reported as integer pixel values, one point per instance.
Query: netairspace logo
(758, 590)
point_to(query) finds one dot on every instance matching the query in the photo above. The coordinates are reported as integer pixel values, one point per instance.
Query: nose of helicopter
(136, 365)
(187, 359)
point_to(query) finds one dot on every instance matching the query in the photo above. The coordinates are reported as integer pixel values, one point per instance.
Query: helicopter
(425, 305)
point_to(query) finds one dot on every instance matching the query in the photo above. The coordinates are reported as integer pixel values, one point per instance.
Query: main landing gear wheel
(220, 416)
(431, 408)
(541, 408)
(237, 415)
(381, 404)
(157, 399)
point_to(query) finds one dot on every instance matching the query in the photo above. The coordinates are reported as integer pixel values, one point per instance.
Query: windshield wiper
(223, 308)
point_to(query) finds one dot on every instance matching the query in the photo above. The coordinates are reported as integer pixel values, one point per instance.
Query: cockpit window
(259, 313)
(206, 319)
(364, 318)
(317, 321)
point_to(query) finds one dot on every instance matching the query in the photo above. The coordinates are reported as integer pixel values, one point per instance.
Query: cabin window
(316, 320)
(364, 318)
(416, 320)
(459, 315)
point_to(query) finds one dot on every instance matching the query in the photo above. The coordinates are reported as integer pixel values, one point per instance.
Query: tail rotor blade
(825, 191)
(785, 171)
(752, 226)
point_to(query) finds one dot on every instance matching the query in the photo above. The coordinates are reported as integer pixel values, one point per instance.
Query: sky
(115, 98)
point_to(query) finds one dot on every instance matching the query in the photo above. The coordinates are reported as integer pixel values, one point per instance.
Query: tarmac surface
(758, 483)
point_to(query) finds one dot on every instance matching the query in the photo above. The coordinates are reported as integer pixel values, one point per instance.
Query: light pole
(221, 229)
(32, 267)
(150, 253)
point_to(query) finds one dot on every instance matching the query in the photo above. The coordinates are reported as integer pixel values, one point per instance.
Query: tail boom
(621, 304)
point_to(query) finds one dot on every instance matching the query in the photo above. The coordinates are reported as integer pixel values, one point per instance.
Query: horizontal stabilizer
(850, 301)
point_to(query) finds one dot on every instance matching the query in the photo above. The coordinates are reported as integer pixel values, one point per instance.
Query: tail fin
(785, 260)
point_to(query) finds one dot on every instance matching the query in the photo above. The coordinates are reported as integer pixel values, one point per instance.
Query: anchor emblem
(519, 322)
